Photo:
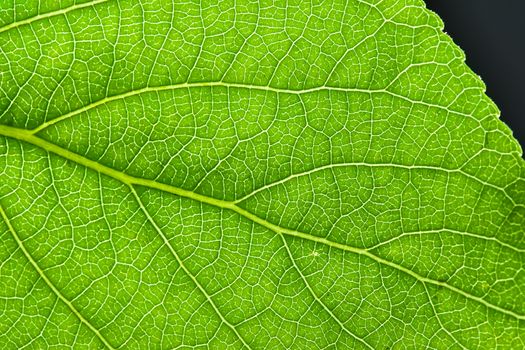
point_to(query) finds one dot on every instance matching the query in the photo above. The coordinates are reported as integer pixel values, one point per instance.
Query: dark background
(492, 34)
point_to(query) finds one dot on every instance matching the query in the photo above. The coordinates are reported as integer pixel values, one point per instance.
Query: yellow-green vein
(27, 136)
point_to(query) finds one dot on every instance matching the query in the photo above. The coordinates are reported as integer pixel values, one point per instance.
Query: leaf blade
(237, 158)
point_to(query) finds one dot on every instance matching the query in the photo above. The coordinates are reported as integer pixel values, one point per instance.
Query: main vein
(28, 136)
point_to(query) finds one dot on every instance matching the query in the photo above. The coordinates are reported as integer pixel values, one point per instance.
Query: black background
(492, 34)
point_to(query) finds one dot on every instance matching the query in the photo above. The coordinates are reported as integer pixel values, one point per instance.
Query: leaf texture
(252, 175)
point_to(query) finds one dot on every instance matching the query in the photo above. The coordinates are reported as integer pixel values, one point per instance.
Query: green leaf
(258, 175)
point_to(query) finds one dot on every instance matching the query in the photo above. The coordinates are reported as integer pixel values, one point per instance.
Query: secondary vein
(50, 284)
(49, 14)
(238, 86)
(184, 268)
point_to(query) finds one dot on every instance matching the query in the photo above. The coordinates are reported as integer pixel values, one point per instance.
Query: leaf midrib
(27, 136)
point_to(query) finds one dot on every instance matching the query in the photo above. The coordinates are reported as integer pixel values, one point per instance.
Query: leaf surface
(257, 175)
